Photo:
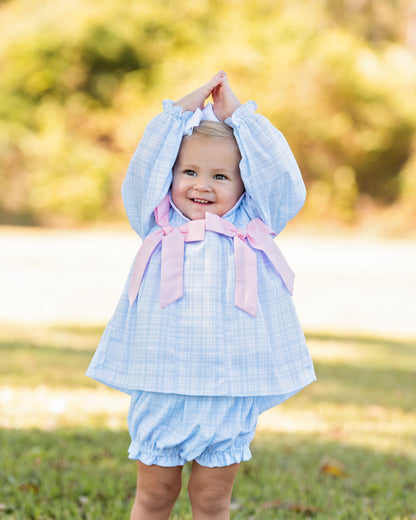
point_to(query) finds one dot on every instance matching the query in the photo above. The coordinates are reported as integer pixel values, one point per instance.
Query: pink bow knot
(241, 233)
(167, 230)
(259, 236)
(256, 234)
(173, 240)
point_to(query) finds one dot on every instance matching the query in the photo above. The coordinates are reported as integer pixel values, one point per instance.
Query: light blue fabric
(202, 344)
(170, 429)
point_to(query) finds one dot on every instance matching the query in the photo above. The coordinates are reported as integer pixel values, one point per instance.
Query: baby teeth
(201, 201)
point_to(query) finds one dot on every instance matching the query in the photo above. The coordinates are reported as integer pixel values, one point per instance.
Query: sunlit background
(79, 80)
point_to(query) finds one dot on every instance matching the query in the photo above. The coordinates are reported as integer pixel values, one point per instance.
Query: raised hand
(196, 99)
(225, 101)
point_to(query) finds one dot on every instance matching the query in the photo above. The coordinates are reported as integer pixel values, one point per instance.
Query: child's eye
(191, 173)
(220, 177)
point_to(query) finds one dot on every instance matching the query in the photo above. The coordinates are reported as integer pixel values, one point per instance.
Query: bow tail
(140, 264)
(171, 278)
(245, 277)
(273, 253)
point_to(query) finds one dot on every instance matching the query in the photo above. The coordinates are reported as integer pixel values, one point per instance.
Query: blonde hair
(213, 130)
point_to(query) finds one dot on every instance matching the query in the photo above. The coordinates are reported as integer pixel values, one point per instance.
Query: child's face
(206, 177)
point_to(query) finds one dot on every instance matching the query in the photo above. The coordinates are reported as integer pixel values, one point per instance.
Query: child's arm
(149, 174)
(269, 170)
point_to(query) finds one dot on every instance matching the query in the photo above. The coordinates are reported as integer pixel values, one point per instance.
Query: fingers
(225, 101)
(197, 98)
(222, 82)
(217, 79)
(214, 83)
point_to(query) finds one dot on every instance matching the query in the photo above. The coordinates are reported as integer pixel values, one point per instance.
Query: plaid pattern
(202, 345)
(170, 430)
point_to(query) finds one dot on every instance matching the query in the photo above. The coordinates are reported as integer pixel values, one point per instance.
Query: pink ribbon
(259, 236)
(173, 239)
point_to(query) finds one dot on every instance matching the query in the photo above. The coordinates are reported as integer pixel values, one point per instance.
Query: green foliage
(81, 79)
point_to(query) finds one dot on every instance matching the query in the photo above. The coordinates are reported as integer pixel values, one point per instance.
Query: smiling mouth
(201, 201)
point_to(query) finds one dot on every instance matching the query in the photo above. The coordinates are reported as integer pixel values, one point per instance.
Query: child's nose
(202, 185)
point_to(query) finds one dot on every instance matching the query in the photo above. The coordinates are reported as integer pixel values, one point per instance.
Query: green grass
(344, 448)
(57, 356)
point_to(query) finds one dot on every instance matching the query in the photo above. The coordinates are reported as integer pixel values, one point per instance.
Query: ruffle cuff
(165, 458)
(175, 111)
(173, 457)
(219, 459)
(191, 119)
(242, 113)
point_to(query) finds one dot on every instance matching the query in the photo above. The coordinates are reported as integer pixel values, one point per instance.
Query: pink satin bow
(259, 236)
(173, 239)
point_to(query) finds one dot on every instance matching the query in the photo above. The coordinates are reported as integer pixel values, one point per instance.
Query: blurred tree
(81, 79)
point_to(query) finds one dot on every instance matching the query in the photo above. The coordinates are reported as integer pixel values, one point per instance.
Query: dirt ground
(343, 283)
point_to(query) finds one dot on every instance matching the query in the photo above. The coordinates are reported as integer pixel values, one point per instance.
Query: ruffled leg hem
(167, 459)
(208, 458)
(219, 459)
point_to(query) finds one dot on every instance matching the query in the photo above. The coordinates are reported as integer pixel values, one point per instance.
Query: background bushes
(80, 80)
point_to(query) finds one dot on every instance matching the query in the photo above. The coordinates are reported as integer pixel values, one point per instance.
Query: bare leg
(157, 491)
(210, 491)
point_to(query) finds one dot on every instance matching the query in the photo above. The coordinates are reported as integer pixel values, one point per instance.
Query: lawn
(344, 448)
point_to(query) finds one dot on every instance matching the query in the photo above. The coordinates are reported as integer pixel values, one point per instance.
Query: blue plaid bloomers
(172, 429)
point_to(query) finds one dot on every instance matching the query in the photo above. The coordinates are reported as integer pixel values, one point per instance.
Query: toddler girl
(205, 336)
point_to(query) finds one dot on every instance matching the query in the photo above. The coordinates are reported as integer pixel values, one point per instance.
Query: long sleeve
(271, 176)
(149, 174)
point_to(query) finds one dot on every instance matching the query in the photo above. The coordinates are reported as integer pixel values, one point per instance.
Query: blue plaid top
(202, 344)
